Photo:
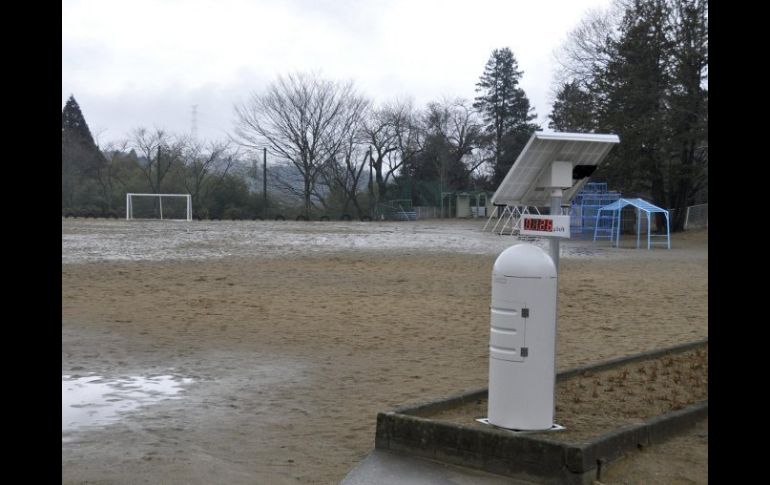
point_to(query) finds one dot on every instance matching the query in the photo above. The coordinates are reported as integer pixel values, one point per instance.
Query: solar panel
(585, 151)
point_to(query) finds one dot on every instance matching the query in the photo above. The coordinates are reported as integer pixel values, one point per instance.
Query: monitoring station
(522, 347)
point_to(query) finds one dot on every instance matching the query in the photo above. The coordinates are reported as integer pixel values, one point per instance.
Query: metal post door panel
(507, 333)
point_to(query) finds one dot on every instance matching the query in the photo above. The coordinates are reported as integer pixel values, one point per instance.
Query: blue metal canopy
(613, 232)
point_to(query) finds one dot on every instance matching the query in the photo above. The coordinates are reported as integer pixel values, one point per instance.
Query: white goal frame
(130, 205)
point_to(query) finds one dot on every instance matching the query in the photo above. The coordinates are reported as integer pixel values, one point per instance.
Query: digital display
(542, 225)
(546, 226)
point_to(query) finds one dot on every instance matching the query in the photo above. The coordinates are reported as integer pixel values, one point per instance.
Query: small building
(471, 204)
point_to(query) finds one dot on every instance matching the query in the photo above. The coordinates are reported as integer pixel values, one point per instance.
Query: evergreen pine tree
(505, 108)
(572, 110)
(688, 176)
(81, 159)
(78, 146)
(633, 101)
(651, 90)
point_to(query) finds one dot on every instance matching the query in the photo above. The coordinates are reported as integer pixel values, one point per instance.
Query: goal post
(130, 205)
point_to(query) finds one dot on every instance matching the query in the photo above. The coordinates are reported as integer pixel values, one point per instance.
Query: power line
(194, 127)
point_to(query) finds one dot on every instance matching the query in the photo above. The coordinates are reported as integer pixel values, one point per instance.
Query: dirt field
(293, 337)
(599, 402)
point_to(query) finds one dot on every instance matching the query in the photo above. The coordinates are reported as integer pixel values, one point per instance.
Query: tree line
(332, 150)
(636, 70)
(640, 70)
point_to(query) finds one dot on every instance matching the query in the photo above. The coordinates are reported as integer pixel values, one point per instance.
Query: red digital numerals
(542, 225)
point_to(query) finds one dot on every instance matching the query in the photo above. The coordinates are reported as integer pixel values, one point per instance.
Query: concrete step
(388, 468)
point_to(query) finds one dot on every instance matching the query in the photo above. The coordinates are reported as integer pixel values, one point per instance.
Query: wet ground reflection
(93, 400)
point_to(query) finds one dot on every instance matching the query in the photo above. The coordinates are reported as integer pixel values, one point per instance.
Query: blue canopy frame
(640, 205)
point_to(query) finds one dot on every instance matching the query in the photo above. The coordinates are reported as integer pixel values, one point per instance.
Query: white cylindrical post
(639, 225)
(612, 229)
(648, 231)
(522, 346)
(556, 195)
(160, 203)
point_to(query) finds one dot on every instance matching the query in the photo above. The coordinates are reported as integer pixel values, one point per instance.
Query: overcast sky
(147, 62)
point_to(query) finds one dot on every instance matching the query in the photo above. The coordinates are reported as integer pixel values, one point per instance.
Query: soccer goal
(178, 207)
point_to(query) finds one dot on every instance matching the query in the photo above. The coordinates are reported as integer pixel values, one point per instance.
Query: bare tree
(109, 175)
(160, 150)
(343, 173)
(379, 132)
(464, 133)
(206, 165)
(583, 54)
(459, 128)
(303, 119)
(409, 135)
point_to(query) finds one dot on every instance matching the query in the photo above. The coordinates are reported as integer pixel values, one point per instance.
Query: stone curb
(612, 363)
(523, 456)
(612, 445)
(460, 398)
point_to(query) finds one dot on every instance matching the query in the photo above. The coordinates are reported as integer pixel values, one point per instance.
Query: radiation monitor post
(545, 225)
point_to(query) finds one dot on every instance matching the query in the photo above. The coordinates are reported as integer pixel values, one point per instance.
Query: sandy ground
(599, 402)
(291, 353)
(682, 460)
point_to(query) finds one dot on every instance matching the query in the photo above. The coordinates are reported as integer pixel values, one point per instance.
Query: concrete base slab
(555, 427)
(409, 430)
(387, 468)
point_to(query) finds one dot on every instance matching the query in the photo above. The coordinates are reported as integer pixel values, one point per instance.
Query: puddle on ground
(86, 240)
(97, 401)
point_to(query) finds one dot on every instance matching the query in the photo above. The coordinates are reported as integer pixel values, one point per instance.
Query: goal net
(697, 217)
(176, 207)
